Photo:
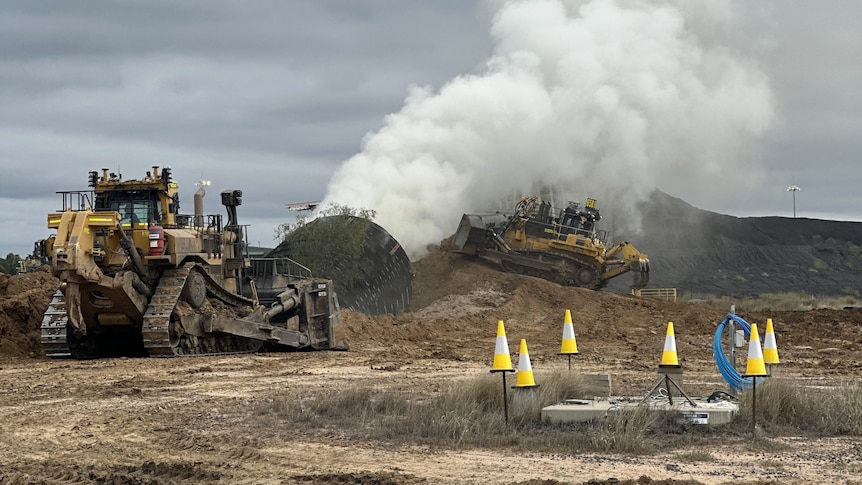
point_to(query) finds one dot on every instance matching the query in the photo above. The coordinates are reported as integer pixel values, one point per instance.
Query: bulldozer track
(157, 317)
(565, 270)
(54, 328)
(156, 329)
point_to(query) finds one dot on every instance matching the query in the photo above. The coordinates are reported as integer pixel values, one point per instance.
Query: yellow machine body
(140, 278)
(566, 248)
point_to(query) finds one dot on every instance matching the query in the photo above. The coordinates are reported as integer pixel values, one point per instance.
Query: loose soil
(191, 420)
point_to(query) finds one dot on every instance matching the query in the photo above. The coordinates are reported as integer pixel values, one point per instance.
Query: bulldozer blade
(640, 272)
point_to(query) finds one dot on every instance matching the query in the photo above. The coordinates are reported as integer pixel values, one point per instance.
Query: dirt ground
(192, 420)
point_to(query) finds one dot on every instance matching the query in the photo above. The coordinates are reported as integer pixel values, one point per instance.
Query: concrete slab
(582, 410)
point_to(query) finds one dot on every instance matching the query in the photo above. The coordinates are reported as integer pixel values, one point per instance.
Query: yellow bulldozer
(564, 247)
(139, 278)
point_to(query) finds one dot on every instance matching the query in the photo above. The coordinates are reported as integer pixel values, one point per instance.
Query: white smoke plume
(607, 99)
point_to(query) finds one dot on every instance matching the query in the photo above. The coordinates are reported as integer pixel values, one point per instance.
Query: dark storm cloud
(121, 29)
(268, 97)
(224, 73)
(312, 33)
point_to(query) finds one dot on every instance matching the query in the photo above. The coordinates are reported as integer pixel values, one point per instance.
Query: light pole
(793, 189)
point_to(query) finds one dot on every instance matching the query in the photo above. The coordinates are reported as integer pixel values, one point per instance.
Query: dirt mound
(458, 301)
(698, 251)
(23, 300)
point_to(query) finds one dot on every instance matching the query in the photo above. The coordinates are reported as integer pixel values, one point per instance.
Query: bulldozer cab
(570, 221)
(140, 203)
(134, 214)
(573, 219)
(137, 208)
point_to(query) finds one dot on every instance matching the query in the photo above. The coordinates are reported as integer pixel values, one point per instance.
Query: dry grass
(776, 301)
(470, 413)
(784, 408)
(624, 431)
(466, 414)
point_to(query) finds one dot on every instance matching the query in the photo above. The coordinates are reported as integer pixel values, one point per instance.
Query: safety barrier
(667, 294)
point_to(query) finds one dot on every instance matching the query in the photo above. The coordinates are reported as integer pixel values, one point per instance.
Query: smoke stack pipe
(199, 206)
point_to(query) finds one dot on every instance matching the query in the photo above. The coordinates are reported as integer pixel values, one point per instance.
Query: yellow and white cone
(668, 356)
(570, 345)
(770, 347)
(524, 377)
(755, 366)
(502, 359)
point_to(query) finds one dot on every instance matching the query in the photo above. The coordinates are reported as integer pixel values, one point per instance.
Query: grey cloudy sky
(310, 100)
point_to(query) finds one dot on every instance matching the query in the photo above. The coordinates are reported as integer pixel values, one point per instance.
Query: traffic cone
(502, 359)
(668, 356)
(770, 348)
(570, 345)
(755, 366)
(524, 377)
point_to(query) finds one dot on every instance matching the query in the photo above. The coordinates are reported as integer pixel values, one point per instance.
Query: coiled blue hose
(730, 374)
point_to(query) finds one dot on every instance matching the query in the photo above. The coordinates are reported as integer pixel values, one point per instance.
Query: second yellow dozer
(565, 248)
(138, 278)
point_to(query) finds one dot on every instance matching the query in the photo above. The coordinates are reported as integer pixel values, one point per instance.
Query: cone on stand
(569, 345)
(668, 356)
(669, 366)
(754, 368)
(502, 359)
(502, 363)
(524, 376)
(770, 346)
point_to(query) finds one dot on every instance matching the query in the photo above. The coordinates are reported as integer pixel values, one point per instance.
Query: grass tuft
(624, 431)
(786, 408)
(766, 302)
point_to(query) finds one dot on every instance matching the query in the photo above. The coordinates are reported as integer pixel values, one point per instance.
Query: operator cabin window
(135, 215)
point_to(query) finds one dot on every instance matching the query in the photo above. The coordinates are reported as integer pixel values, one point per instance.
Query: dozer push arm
(129, 246)
(498, 241)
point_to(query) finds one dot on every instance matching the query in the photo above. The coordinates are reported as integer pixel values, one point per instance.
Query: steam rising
(606, 99)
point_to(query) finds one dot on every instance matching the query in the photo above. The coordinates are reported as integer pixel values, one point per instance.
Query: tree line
(14, 264)
(10, 264)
